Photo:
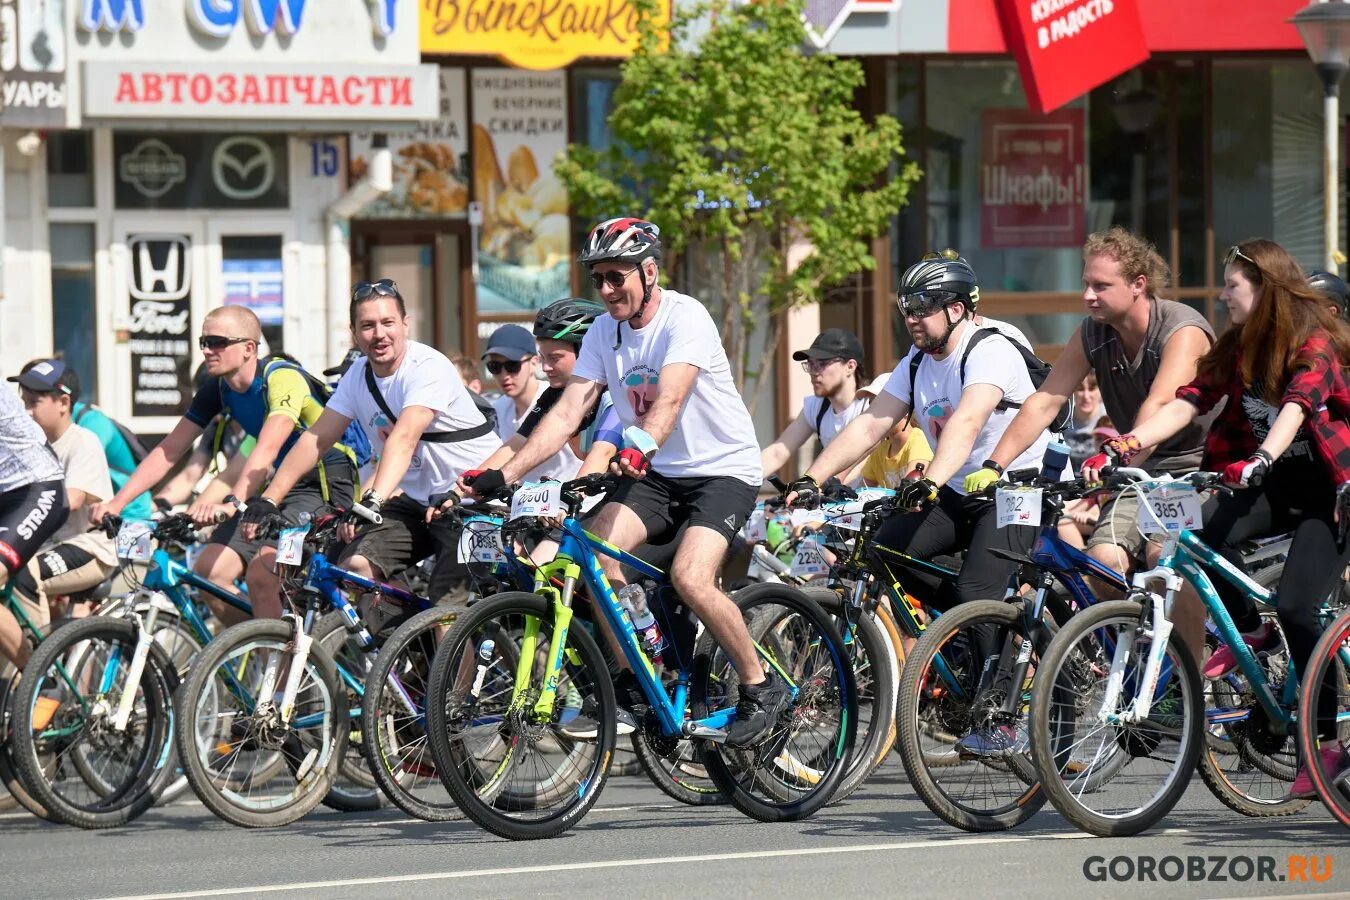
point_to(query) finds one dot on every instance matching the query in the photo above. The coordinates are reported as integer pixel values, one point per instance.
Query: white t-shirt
(714, 435)
(81, 455)
(561, 466)
(834, 421)
(24, 457)
(938, 391)
(424, 378)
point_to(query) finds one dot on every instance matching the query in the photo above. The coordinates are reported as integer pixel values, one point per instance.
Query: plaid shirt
(1320, 391)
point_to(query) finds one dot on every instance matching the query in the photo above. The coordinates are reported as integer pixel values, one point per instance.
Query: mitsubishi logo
(161, 268)
(243, 167)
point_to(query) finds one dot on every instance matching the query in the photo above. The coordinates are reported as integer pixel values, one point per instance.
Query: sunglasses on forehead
(512, 366)
(385, 287)
(614, 279)
(1235, 253)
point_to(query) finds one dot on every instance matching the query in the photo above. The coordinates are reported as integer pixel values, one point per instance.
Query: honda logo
(161, 266)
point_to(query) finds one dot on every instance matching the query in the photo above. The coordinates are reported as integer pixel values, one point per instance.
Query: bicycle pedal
(703, 732)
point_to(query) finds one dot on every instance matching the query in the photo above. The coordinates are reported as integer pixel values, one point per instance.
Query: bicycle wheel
(229, 732)
(394, 718)
(798, 766)
(502, 761)
(354, 789)
(1161, 750)
(873, 671)
(1327, 671)
(66, 708)
(986, 789)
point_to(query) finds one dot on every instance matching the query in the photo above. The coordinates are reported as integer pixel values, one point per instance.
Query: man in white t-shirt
(423, 426)
(963, 420)
(74, 559)
(512, 356)
(660, 356)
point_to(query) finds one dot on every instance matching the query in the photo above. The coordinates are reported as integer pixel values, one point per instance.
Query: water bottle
(1055, 459)
(633, 598)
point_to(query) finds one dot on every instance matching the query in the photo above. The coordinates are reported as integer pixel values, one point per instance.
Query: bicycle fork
(1157, 628)
(144, 637)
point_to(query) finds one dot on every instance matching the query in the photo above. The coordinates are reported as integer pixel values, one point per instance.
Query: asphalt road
(636, 842)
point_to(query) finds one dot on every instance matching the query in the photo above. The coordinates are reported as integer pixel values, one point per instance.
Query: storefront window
(70, 168)
(74, 327)
(1267, 157)
(252, 270)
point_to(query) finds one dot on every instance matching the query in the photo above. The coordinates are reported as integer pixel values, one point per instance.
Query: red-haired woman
(1284, 436)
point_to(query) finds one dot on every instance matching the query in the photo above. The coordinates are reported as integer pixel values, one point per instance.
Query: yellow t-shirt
(888, 470)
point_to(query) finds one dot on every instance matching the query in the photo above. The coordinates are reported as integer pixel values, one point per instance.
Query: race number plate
(133, 541)
(537, 499)
(291, 545)
(809, 561)
(1169, 510)
(756, 527)
(480, 541)
(1018, 506)
(800, 517)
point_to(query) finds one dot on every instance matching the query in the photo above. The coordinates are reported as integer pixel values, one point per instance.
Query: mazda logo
(243, 167)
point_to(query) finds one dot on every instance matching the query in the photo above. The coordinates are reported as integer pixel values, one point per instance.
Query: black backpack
(1037, 369)
(138, 450)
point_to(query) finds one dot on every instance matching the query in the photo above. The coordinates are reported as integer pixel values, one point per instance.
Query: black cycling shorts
(29, 515)
(721, 502)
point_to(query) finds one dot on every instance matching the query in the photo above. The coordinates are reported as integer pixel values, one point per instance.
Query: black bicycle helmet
(634, 240)
(567, 320)
(946, 271)
(1331, 285)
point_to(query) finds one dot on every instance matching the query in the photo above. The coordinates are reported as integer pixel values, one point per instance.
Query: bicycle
(499, 697)
(972, 666)
(1136, 687)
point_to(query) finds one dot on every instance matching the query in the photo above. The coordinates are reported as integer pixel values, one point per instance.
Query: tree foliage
(741, 145)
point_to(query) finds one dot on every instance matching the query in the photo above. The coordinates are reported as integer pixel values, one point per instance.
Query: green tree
(748, 152)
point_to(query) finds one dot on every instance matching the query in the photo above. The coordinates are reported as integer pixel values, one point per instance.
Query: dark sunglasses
(512, 366)
(614, 279)
(385, 287)
(921, 304)
(218, 342)
(947, 254)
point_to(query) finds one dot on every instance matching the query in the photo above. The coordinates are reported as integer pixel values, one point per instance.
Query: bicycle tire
(795, 801)
(132, 794)
(322, 672)
(877, 689)
(914, 691)
(354, 789)
(9, 775)
(399, 771)
(1045, 742)
(1334, 794)
(492, 812)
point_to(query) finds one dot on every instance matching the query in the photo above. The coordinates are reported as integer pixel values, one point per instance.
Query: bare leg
(221, 566)
(621, 527)
(264, 587)
(694, 575)
(1188, 612)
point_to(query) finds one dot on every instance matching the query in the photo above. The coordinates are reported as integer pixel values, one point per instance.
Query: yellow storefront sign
(531, 34)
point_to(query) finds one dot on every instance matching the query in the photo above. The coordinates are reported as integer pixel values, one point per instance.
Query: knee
(360, 565)
(1111, 556)
(691, 585)
(262, 570)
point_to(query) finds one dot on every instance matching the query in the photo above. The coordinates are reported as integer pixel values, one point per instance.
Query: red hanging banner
(1065, 48)
(1032, 179)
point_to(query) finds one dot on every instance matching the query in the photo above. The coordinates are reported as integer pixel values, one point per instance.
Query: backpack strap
(820, 414)
(430, 437)
(913, 374)
(1004, 402)
(81, 414)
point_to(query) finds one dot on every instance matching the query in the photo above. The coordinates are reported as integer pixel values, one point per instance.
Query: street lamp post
(1325, 29)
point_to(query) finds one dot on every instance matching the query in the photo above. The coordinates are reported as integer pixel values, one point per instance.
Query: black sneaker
(757, 711)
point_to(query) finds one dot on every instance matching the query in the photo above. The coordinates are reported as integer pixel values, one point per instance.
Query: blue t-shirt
(121, 461)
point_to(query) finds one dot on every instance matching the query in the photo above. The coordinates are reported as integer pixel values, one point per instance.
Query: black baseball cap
(49, 376)
(833, 343)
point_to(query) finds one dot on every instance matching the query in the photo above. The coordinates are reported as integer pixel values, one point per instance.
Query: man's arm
(859, 436)
(271, 438)
(503, 454)
(153, 468)
(597, 460)
(555, 428)
(773, 457)
(1181, 354)
(1040, 408)
(958, 435)
(305, 453)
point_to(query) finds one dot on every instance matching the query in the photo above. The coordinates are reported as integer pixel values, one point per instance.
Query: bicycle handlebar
(369, 515)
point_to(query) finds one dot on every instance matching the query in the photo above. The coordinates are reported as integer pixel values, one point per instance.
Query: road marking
(927, 844)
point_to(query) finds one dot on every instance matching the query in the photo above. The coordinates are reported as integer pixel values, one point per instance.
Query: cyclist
(661, 357)
(964, 419)
(1141, 348)
(836, 363)
(33, 507)
(75, 559)
(1333, 286)
(1283, 436)
(423, 424)
(511, 359)
(274, 402)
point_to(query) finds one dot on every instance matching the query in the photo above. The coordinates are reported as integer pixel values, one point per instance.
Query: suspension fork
(144, 638)
(1033, 635)
(562, 621)
(301, 644)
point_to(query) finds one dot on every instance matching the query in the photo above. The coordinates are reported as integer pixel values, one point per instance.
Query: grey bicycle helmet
(1331, 285)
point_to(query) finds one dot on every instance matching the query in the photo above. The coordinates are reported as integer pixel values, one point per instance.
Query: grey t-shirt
(25, 457)
(1125, 383)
